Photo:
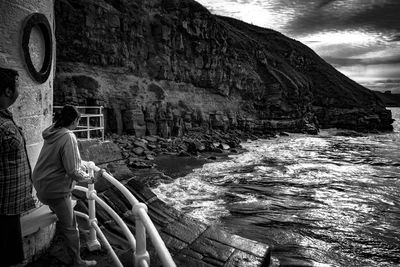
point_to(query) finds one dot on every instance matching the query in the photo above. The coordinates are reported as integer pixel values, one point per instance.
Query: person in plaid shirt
(15, 174)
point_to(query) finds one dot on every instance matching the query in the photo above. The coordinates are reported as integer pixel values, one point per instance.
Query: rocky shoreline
(194, 148)
(152, 151)
(142, 163)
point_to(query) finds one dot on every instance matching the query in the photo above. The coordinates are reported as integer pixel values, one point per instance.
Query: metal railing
(142, 223)
(86, 119)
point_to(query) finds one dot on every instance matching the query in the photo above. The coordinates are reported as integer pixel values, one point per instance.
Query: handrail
(155, 237)
(142, 221)
(102, 237)
(113, 214)
(128, 195)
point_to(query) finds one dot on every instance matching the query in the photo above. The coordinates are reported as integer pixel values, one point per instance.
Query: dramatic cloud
(335, 15)
(361, 38)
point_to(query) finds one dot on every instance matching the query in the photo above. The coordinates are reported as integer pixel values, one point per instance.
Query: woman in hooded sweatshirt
(57, 170)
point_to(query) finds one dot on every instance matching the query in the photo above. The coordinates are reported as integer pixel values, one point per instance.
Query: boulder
(138, 151)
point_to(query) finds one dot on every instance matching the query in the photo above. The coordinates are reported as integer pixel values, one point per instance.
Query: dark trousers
(11, 246)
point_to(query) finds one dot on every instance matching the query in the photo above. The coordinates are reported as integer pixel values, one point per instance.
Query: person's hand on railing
(98, 175)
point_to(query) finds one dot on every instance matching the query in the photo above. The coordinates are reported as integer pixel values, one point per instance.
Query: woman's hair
(66, 116)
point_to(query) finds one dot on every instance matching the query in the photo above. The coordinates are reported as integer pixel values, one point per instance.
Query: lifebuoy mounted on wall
(39, 21)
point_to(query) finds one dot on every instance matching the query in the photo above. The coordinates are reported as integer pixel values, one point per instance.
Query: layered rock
(167, 67)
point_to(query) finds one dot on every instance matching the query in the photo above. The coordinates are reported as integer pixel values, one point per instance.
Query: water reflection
(320, 201)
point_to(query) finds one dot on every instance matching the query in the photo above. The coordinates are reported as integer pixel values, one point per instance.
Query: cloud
(299, 17)
(392, 85)
(392, 37)
(361, 38)
(395, 59)
(364, 73)
(260, 13)
(371, 15)
(337, 61)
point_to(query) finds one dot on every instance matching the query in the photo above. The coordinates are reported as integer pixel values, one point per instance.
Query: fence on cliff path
(143, 223)
(91, 124)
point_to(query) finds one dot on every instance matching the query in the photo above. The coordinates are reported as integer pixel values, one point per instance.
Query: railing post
(141, 252)
(102, 123)
(88, 126)
(93, 244)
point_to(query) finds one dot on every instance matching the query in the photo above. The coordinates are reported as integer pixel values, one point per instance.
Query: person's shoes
(84, 263)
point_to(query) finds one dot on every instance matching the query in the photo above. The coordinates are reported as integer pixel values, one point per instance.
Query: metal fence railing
(92, 120)
(143, 223)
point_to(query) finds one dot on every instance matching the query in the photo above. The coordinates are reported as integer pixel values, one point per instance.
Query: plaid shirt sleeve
(15, 171)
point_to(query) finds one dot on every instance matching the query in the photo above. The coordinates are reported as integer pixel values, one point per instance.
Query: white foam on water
(328, 191)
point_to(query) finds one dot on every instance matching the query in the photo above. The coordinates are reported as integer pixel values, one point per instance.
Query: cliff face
(389, 99)
(165, 66)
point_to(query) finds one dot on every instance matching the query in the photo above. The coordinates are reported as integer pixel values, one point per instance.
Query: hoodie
(58, 165)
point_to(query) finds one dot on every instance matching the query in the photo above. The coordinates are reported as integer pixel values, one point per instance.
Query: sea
(317, 200)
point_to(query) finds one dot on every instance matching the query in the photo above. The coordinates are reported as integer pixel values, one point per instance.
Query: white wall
(33, 109)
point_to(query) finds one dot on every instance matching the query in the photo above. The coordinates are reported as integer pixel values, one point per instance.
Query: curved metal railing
(143, 223)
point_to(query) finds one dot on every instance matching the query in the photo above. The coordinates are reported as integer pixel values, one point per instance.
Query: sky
(360, 38)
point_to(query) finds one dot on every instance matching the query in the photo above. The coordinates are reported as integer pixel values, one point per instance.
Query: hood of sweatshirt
(51, 134)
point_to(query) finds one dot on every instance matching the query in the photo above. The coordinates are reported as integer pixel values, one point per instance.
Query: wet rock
(187, 230)
(215, 144)
(141, 144)
(152, 146)
(119, 170)
(149, 157)
(194, 146)
(217, 150)
(184, 154)
(132, 160)
(216, 252)
(140, 165)
(233, 143)
(138, 151)
(151, 139)
(311, 129)
(224, 146)
(349, 134)
(164, 145)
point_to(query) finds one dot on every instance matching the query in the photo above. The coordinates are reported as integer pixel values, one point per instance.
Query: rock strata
(165, 67)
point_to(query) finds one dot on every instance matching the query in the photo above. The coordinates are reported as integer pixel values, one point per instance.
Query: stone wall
(33, 108)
